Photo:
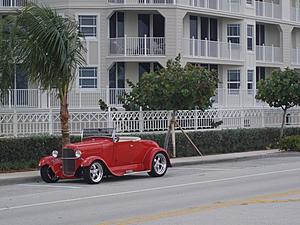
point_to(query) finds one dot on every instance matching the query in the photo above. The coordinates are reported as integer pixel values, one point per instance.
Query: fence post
(50, 121)
(264, 52)
(9, 99)
(196, 119)
(273, 53)
(15, 123)
(109, 122)
(263, 118)
(193, 46)
(229, 49)
(242, 118)
(206, 47)
(141, 120)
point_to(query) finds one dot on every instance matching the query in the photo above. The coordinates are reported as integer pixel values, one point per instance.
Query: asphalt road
(249, 192)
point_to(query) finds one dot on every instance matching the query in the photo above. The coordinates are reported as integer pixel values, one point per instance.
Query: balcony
(35, 98)
(269, 54)
(212, 49)
(137, 46)
(12, 3)
(295, 14)
(223, 5)
(296, 56)
(268, 9)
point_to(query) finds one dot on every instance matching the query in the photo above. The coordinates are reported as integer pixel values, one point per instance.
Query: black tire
(94, 173)
(48, 175)
(159, 165)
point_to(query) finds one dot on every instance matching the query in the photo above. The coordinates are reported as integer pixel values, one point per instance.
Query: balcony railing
(79, 99)
(35, 98)
(296, 56)
(212, 49)
(268, 9)
(295, 14)
(269, 54)
(137, 46)
(12, 3)
(224, 5)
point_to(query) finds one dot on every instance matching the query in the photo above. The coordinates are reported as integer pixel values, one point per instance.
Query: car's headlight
(55, 154)
(78, 153)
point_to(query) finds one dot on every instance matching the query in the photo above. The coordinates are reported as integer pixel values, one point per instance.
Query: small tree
(173, 88)
(281, 89)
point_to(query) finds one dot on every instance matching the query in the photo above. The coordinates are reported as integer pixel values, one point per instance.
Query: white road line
(147, 190)
(50, 186)
(196, 168)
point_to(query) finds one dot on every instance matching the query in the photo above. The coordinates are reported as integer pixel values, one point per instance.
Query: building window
(117, 75)
(88, 77)
(249, 2)
(250, 37)
(143, 68)
(250, 76)
(233, 81)
(88, 25)
(233, 33)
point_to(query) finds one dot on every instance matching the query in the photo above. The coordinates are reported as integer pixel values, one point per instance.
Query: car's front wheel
(48, 175)
(159, 165)
(94, 173)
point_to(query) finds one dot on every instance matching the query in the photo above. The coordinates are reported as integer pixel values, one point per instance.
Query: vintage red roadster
(102, 153)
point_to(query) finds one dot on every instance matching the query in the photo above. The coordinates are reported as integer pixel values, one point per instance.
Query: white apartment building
(244, 40)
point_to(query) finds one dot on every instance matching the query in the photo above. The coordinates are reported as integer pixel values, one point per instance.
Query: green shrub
(25, 152)
(290, 143)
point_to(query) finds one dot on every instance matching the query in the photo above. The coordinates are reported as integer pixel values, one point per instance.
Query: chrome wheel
(93, 174)
(159, 165)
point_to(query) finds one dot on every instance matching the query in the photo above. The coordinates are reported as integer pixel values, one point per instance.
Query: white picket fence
(31, 122)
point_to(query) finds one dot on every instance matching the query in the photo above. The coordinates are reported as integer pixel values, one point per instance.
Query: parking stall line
(48, 186)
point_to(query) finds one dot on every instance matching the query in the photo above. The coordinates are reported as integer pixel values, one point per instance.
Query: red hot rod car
(102, 153)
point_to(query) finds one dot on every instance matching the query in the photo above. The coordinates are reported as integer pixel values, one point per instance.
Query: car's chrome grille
(68, 158)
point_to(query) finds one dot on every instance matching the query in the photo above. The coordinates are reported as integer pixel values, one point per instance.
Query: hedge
(24, 153)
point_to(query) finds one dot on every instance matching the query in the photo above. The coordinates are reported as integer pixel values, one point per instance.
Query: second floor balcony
(137, 46)
(12, 3)
(212, 49)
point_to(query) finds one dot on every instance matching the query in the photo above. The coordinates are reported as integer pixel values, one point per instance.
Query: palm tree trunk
(283, 122)
(64, 120)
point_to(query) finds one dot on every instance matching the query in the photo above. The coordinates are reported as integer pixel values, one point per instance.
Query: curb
(34, 177)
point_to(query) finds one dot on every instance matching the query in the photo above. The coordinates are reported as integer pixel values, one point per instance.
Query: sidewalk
(34, 176)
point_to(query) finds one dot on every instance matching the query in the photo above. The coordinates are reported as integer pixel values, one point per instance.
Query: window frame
(231, 35)
(250, 82)
(81, 78)
(250, 37)
(94, 25)
(236, 82)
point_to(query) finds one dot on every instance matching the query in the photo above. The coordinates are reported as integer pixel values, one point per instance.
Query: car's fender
(150, 155)
(54, 163)
(89, 160)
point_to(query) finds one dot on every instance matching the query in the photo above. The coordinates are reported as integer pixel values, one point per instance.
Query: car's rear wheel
(48, 175)
(159, 165)
(94, 173)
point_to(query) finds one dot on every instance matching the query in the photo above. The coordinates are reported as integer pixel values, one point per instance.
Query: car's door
(122, 150)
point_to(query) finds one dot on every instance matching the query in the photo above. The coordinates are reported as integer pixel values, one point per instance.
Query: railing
(269, 54)
(296, 56)
(224, 5)
(295, 14)
(228, 98)
(35, 98)
(13, 3)
(268, 9)
(137, 46)
(214, 49)
(24, 123)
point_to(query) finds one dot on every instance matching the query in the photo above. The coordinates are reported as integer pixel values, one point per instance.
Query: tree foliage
(173, 88)
(281, 89)
(49, 49)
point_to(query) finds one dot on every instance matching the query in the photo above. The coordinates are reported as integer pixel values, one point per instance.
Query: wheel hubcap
(96, 172)
(160, 164)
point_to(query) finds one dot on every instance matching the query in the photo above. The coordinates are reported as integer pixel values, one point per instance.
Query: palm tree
(50, 49)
